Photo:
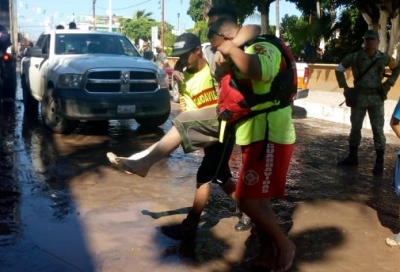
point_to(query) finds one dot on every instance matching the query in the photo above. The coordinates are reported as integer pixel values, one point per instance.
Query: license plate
(126, 109)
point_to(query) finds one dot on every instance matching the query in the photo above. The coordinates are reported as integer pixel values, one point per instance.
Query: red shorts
(265, 178)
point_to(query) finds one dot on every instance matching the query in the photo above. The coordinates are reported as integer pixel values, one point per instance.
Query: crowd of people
(266, 140)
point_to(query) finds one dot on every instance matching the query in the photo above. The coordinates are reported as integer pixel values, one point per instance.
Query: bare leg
(244, 222)
(229, 188)
(262, 215)
(160, 150)
(201, 198)
(187, 230)
(266, 258)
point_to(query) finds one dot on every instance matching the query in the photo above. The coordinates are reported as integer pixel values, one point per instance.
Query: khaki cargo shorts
(198, 128)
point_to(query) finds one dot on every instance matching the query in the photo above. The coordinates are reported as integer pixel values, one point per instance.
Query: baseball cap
(184, 43)
(370, 33)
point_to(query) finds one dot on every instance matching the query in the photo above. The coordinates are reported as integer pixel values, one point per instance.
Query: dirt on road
(64, 207)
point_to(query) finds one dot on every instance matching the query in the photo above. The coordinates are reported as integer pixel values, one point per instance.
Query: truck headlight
(70, 81)
(162, 80)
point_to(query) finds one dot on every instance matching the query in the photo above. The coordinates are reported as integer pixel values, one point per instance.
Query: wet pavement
(65, 208)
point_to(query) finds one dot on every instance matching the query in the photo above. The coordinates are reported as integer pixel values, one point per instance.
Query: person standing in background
(161, 58)
(368, 67)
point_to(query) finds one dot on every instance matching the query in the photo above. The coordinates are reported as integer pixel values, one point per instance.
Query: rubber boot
(185, 231)
(378, 168)
(351, 159)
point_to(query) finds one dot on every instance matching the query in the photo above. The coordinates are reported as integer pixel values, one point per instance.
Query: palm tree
(143, 14)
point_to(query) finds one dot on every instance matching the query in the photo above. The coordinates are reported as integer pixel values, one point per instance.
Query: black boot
(185, 231)
(351, 159)
(378, 168)
(244, 223)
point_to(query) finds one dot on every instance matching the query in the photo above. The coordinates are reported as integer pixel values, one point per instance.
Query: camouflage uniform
(370, 98)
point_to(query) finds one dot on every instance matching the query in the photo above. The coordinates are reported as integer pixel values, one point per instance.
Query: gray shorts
(198, 128)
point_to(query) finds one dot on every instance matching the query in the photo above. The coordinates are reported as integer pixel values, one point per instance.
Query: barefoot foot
(132, 166)
(113, 159)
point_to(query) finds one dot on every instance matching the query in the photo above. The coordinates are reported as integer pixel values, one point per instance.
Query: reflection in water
(49, 168)
(9, 189)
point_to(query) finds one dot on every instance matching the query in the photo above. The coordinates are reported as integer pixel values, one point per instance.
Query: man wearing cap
(161, 58)
(144, 48)
(368, 67)
(195, 128)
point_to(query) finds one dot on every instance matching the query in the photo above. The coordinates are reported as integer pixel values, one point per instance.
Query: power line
(125, 7)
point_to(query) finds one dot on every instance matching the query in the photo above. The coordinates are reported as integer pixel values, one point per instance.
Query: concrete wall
(322, 78)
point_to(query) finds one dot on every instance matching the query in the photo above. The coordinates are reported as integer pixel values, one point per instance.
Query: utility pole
(277, 30)
(94, 14)
(162, 23)
(179, 28)
(110, 15)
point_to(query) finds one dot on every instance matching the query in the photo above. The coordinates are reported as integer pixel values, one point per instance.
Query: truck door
(38, 67)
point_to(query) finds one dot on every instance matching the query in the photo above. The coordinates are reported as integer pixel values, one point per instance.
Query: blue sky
(32, 14)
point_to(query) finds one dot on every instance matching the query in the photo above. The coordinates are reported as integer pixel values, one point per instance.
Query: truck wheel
(152, 121)
(175, 91)
(31, 104)
(51, 117)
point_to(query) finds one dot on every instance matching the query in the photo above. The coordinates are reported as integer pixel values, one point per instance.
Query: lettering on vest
(206, 98)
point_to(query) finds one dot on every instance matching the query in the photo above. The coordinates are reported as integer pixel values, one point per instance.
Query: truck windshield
(84, 43)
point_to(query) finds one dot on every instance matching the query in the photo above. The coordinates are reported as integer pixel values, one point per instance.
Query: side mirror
(38, 52)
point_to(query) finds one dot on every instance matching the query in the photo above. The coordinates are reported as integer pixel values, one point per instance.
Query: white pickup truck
(92, 75)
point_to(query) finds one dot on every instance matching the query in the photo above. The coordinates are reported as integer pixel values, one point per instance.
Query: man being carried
(195, 128)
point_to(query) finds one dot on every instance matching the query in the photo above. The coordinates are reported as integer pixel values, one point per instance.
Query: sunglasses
(212, 32)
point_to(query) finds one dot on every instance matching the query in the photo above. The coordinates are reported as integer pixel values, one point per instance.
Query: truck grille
(121, 81)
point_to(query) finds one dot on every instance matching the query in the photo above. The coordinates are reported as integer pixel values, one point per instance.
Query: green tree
(136, 29)
(143, 14)
(351, 26)
(201, 30)
(196, 10)
(382, 15)
(294, 31)
(199, 8)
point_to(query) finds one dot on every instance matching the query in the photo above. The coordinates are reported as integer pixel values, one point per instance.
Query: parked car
(74, 78)
(8, 78)
(172, 84)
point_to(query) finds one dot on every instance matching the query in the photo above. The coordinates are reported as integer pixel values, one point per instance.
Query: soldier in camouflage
(371, 94)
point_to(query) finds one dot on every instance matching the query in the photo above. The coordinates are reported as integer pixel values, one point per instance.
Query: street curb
(341, 114)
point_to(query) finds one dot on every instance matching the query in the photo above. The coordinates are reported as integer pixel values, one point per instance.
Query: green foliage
(352, 27)
(201, 29)
(136, 29)
(143, 14)
(169, 41)
(295, 31)
(195, 10)
(243, 8)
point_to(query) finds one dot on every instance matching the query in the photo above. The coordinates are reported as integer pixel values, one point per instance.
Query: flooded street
(64, 207)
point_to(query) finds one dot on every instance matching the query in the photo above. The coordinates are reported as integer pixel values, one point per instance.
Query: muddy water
(65, 208)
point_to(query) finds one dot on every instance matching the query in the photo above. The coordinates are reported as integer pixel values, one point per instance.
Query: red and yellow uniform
(198, 91)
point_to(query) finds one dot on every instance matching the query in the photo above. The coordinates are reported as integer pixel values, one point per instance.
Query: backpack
(237, 97)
